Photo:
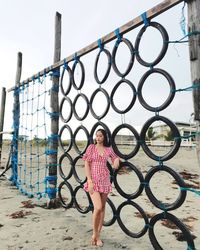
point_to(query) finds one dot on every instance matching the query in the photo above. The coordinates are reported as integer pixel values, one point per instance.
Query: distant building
(125, 139)
(185, 129)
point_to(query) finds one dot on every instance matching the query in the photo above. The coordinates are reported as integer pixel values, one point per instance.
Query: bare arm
(89, 177)
(116, 163)
(87, 171)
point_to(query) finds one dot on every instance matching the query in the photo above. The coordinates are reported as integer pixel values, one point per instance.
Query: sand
(39, 228)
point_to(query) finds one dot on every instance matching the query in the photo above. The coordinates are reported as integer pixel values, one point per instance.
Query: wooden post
(194, 49)
(52, 179)
(16, 116)
(2, 112)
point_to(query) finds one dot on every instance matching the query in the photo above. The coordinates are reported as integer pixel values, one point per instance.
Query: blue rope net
(31, 138)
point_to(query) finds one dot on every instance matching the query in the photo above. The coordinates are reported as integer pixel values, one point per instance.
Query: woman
(98, 179)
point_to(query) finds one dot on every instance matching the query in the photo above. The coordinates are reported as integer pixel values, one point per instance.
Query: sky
(28, 27)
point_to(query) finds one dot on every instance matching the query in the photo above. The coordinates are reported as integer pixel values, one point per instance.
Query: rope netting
(32, 121)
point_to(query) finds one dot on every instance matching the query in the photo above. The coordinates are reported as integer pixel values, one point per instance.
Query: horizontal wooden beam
(151, 13)
(6, 132)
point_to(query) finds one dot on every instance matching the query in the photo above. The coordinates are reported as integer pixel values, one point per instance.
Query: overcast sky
(28, 27)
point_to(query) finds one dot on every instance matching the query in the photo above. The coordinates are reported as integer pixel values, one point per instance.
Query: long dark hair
(105, 136)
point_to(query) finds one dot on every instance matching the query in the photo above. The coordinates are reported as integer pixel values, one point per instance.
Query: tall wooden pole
(2, 112)
(194, 49)
(54, 114)
(16, 117)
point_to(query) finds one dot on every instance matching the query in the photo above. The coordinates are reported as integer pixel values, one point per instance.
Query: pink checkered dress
(98, 168)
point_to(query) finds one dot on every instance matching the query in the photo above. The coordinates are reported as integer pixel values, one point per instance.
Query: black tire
(82, 76)
(113, 219)
(123, 227)
(140, 177)
(78, 207)
(177, 222)
(81, 127)
(107, 106)
(61, 167)
(75, 172)
(157, 203)
(108, 66)
(175, 134)
(132, 57)
(84, 97)
(67, 99)
(171, 92)
(66, 92)
(64, 204)
(114, 145)
(163, 51)
(70, 140)
(132, 101)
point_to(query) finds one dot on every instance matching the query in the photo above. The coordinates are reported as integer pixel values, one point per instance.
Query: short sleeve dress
(98, 167)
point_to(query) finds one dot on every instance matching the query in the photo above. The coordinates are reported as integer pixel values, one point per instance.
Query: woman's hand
(116, 163)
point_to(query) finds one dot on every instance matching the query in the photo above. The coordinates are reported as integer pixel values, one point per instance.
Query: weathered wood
(153, 12)
(54, 103)
(2, 112)
(194, 49)
(6, 132)
(16, 117)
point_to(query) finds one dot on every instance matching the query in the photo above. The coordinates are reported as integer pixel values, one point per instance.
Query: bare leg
(103, 202)
(102, 215)
(97, 203)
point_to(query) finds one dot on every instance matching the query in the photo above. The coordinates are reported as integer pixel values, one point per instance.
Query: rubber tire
(70, 204)
(140, 177)
(177, 222)
(163, 51)
(108, 66)
(175, 132)
(182, 196)
(123, 227)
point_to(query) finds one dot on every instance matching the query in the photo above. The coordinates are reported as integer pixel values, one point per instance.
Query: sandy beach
(26, 224)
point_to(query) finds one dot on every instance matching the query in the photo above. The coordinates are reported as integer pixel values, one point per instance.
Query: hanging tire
(186, 233)
(175, 132)
(163, 51)
(107, 53)
(171, 91)
(65, 204)
(157, 203)
(124, 228)
(78, 206)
